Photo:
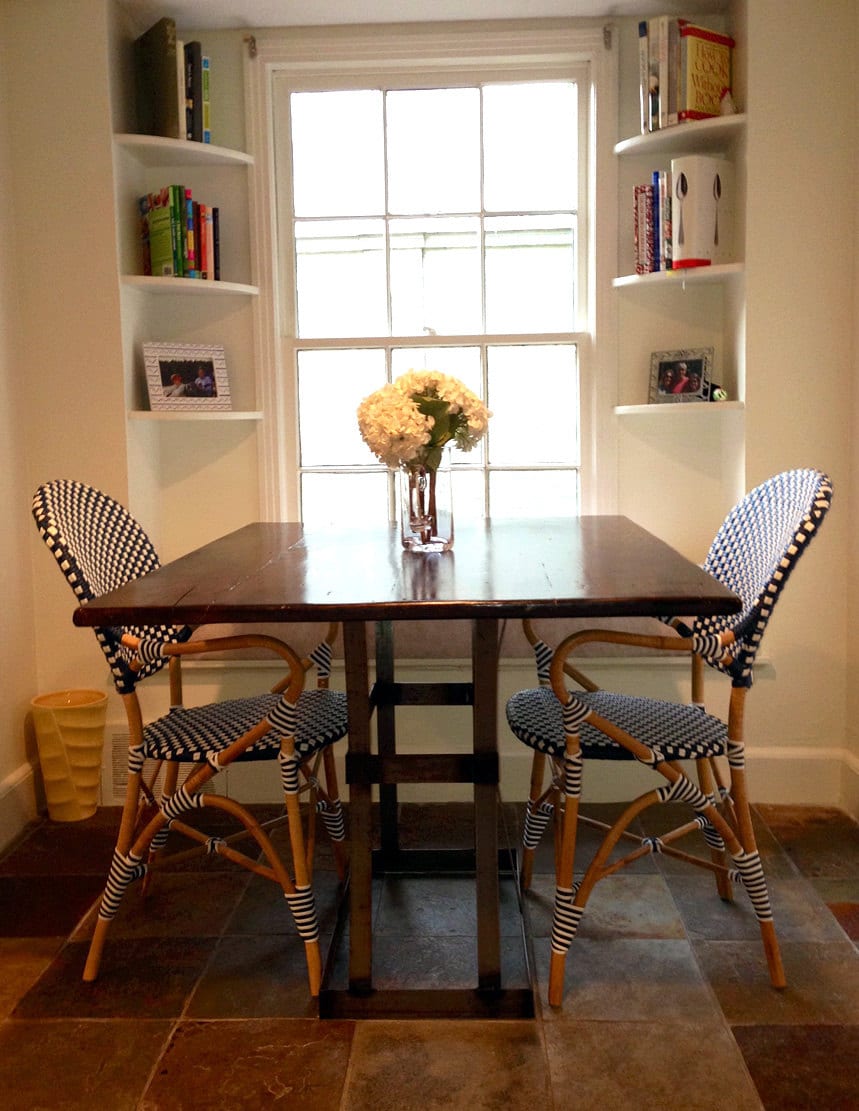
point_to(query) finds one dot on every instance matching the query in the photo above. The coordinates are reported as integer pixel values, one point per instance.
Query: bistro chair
(99, 547)
(753, 554)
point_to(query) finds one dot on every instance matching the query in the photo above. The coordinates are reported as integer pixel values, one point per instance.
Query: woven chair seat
(676, 732)
(191, 733)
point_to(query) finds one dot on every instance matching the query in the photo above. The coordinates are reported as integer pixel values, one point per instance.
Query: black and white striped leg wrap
(303, 908)
(331, 814)
(535, 823)
(711, 835)
(160, 839)
(750, 873)
(177, 804)
(573, 763)
(683, 790)
(123, 871)
(566, 918)
(288, 772)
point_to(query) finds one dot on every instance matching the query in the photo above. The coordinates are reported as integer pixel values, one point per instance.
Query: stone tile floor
(202, 1000)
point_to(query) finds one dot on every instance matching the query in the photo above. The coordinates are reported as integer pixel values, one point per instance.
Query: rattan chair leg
(96, 947)
(538, 768)
(557, 964)
(338, 844)
(778, 979)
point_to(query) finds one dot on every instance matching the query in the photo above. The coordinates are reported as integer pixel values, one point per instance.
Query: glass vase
(426, 507)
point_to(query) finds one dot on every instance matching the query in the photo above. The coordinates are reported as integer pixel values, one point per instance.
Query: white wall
(17, 651)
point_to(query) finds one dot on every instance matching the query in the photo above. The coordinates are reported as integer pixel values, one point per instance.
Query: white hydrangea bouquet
(411, 420)
(407, 425)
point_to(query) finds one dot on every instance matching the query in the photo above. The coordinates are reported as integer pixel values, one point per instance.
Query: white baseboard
(18, 803)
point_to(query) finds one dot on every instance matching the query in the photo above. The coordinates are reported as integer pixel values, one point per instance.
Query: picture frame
(189, 376)
(681, 376)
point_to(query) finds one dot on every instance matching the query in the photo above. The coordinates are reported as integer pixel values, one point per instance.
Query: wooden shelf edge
(700, 274)
(692, 137)
(686, 407)
(158, 150)
(195, 414)
(193, 287)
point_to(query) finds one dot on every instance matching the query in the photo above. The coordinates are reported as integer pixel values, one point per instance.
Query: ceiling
(225, 14)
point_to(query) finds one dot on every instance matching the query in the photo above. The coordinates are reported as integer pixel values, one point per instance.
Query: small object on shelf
(718, 393)
(702, 211)
(726, 104)
(680, 376)
(186, 376)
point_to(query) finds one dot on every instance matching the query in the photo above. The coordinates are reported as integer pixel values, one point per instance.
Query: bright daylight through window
(437, 228)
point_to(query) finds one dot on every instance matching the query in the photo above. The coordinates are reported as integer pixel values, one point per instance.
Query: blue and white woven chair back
(755, 551)
(99, 546)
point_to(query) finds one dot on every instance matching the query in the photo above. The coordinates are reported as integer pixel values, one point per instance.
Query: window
(433, 217)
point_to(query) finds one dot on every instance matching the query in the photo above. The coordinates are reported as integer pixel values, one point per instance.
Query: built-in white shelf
(155, 150)
(694, 137)
(724, 272)
(186, 287)
(713, 408)
(194, 414)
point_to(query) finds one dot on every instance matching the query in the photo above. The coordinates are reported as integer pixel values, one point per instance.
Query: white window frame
(351, 56)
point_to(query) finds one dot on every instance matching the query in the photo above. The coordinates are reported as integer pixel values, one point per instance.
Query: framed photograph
(677, 376)
(186, 376)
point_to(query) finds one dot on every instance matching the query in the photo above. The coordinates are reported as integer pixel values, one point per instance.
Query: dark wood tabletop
(592, 566)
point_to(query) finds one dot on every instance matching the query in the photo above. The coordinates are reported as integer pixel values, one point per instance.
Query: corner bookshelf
(673, 456)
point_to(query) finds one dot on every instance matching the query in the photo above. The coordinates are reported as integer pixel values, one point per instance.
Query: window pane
(534, 398)
(331, 385)
(340, 273)
(433, 151)
(534, 493)
(529, 132)
(338, 153)
(329, 499)
(530, 274)
(435, 276)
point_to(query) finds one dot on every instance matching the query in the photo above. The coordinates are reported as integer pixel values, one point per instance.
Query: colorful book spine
(705, 71)
(190, 261)
(657, 234)
(194, 90)
(643, 228)
(177, 215)
(666, 254)
(143, 232)
(643, 78)
(216, 243)
(653, 73)
(162, 260)
(207, 112)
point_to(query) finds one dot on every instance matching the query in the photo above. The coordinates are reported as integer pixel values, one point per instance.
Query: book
(643, 228)
(194, 90)
(160, 227)
(653, 73)
(207, 124)
(143, 233)
(666, 254)
(207, 232)
(190, 265)
(181, 93)
(176, 194)
(216, 243)
(155, 62)
(643, 78)
(673, 71)
(658, 255)
(660, 38)
(704, 71)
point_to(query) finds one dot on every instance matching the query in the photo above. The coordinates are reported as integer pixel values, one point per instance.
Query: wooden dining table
(597, 566)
